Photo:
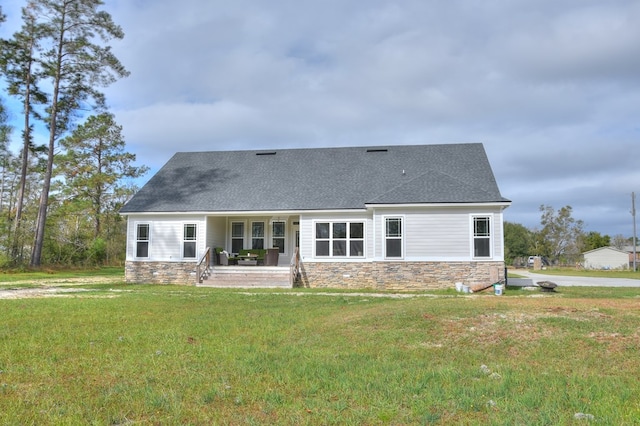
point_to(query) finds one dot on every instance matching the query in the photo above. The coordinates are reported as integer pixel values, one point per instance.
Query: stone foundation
(160, 272)
(399, 275)
(374, 275)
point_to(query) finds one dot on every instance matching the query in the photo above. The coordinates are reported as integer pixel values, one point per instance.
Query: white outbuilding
(606, 258)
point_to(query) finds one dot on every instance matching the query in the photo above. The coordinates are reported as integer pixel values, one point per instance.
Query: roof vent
(266, 153)
(377, 150)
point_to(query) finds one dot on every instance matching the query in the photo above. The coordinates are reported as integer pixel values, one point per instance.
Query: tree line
(59, 200)
(561, 238)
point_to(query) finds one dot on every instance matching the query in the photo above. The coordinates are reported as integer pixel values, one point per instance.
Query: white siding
(216, 231)
(498, 235)
(165, 236)
(430, 233)
(606, 258)
(306, 237)
(439, 234)
(436, 235)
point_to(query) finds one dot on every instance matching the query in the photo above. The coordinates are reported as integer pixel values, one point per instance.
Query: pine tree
(75, 65)
(95, 165)
(19, 67)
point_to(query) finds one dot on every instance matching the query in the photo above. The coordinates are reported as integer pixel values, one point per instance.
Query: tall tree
(5, 155)
(6, 181)
(5, 128)
(95, 164)
(19, 66)
(621, 242)
(75, 66)
(17, 250)
(517, 241)
(560, 233)
(593, 240)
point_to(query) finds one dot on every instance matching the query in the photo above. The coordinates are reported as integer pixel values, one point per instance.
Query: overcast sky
(550, 87)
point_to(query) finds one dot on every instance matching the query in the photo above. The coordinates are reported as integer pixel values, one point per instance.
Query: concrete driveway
(567, 281)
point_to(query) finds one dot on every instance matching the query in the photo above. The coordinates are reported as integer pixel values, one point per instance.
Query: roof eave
(241, 212)
(503, 204)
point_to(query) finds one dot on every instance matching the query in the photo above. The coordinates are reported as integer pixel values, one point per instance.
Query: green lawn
(51, 274)
(123, 354)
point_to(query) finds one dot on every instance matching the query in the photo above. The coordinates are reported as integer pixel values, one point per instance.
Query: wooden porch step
(248, 277)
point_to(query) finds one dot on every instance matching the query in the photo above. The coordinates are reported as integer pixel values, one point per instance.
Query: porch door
(295, 228)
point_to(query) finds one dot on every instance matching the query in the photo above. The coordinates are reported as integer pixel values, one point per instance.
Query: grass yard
(9, 276)
(123, 354)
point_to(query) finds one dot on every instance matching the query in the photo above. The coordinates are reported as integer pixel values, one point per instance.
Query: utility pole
(633, 214)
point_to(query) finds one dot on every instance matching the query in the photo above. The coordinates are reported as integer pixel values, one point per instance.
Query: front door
(295, 232)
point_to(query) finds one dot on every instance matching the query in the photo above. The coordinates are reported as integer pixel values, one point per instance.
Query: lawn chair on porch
(216, 255)
(271, 258)
(222, 257)
(226, 260)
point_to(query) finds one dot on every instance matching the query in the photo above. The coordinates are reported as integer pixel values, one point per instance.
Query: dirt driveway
(67, 286)
(50, 287)
(568, 281)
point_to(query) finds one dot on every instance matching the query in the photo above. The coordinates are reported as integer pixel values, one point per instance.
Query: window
(340, 239)
(322, 239)
(257, 235)
(481, 236)
(189, 242)
(356, 239)
(142, 240)
(278, 235)
(237, 237)
(393, 237)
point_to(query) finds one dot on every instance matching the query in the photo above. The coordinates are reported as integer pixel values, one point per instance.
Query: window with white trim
(481, 236)
(339, 234)
(323, 241)
(189, 240)
(257, 235)
(142, 240)
(339, 239)
(393, 237)
(237, 236)
(356, 239)
(278, 229)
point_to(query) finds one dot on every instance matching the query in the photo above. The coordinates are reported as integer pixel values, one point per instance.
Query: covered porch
(250, 251)
(252, 240)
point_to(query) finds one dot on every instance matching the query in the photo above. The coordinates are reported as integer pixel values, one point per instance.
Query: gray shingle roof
(319, 179)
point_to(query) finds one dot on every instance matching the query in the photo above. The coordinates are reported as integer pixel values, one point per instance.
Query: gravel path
(569, 281)
(23, 293)
(49, 287)
(53, 287)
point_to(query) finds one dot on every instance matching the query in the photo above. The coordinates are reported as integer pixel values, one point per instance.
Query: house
(633, 251)
(392, 217)
(606, 258)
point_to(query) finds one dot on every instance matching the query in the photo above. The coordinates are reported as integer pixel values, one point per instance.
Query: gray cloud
(549, 86)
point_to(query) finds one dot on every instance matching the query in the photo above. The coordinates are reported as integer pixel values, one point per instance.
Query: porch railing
(294, 268)
(203, 268)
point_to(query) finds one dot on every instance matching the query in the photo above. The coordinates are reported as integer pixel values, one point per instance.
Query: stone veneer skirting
(375, 275)
(399, 275)
(160, 272)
